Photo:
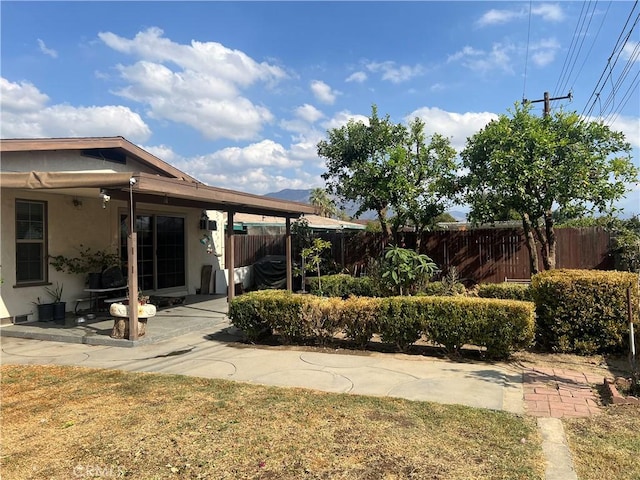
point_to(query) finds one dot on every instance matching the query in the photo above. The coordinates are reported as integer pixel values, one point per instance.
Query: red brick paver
(553, 392)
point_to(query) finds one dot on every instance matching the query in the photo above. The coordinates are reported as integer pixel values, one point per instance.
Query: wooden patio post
(132, 259)
(289, 254)
(230, 258)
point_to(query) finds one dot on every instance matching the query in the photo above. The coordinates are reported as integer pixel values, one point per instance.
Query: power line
(604, 17)
(570, 50)
(597, 90)
(583, 35)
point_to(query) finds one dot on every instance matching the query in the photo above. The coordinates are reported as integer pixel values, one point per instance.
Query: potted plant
(45, 311)
(59, 306)
(88, 261)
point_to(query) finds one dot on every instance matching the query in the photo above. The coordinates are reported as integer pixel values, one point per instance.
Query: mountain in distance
(292, 195)
(302, 195)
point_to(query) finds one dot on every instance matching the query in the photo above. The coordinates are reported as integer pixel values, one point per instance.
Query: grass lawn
(606, 446)
(68, 422)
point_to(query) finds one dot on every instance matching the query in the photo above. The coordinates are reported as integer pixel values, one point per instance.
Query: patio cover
(149, 188)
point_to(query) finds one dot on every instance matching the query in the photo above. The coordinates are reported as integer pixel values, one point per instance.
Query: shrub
(401, 321)
(442, 289)
(323, 317)
(360, 318)
(342, 285)
(499, 325)
(244, 313)
(583, 311)
(505, 291)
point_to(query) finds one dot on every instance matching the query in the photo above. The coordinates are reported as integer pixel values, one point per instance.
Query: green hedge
(506, 291)
(499, 325)
(583, 311)
(341, 285)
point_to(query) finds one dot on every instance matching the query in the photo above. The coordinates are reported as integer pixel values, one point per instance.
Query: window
(31, 241)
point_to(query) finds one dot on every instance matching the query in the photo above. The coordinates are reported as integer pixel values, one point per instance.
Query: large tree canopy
(358, 167)
(535, 165)
(384, 166)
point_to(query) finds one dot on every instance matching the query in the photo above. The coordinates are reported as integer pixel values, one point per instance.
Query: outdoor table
(95, 294)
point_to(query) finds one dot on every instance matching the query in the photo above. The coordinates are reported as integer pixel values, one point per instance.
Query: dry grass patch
(606, 445)
(66, 422)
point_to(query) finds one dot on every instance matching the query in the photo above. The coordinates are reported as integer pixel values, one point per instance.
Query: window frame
(44, 242)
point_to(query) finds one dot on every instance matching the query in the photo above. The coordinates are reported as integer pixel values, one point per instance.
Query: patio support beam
(132, 259)
(132, 270)
(230, 258)
(289, 254)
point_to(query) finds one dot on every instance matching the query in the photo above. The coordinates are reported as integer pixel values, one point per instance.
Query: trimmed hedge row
(583, 311)
(506, 291)
(501, 326)
(343, 285)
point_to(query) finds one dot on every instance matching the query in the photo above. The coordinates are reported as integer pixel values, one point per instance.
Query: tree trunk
(541, 235)
(386, 228)
(551, 241)
(531, 245)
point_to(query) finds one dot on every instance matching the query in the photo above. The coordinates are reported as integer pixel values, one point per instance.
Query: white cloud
(357, 77)
(455, 126)
(544, 51)
(210, 58)
(260, 181)
(20, 97)
(47, 51)
(25, 115)
(308, 113)
(396, 73)
(548, 11)
(630, 126)
(342, 118)
(323, 92)
(266, 153)
(481, 61)
(199, 84)
(496, 17)
(631, 51)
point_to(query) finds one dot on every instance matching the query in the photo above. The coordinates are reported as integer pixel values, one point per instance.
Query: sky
(238, 94)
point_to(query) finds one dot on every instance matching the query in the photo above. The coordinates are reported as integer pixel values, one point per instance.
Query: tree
(423, 191)
(384, 166)
(358, 167)
(318, 197)
(535, 165)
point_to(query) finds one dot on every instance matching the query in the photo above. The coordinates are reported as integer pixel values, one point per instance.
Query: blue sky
(238, 94)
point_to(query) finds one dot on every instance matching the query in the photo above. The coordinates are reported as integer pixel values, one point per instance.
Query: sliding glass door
(161, 250)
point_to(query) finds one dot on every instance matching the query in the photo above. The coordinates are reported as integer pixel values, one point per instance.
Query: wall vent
(21, 318)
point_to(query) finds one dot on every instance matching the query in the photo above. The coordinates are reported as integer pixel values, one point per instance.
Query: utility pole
(547, 101)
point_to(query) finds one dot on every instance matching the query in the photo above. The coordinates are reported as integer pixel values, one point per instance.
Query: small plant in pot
(59, 306)
(45, 311)
(88, 261)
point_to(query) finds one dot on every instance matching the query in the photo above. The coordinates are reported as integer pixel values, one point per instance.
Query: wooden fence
(486, 255)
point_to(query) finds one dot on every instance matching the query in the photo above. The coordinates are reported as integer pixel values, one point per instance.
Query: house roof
(315, 221)
(170, 186)
(93, 143)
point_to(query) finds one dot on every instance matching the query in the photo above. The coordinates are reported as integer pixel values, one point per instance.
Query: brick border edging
(616, 397)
